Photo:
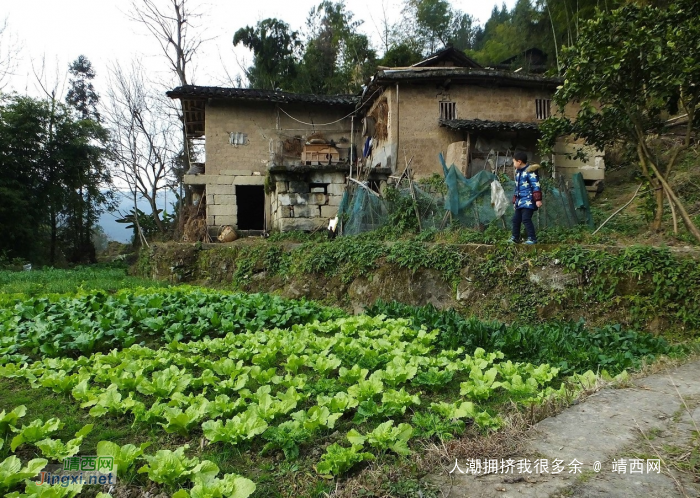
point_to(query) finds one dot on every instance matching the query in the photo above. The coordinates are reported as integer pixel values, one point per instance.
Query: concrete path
(607, 428)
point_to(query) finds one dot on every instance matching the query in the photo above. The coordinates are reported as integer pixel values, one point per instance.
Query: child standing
(527, 197)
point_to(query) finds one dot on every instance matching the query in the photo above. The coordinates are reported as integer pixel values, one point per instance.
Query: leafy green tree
(86, 173)
(433, 19)
(42, 145)
(337, 58)
(81, 94)
(545, 24)
(509, 33)
(401, 55)
(276, 50)
(629, 69)
(22, 219)
(429, 25)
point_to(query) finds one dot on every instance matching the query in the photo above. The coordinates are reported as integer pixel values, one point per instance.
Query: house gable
(448, 57)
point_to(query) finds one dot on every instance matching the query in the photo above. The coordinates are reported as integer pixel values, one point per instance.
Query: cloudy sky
(57, 31)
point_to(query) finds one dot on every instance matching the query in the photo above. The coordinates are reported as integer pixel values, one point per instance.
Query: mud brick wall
(385, 152)
(255, 119)
(416, 132)
(265, 125)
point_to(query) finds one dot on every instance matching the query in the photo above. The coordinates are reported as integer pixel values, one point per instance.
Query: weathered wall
(305, 201)
(266, 127)
(385, 149)
(255, 119)
(263, 123)
(416, 132)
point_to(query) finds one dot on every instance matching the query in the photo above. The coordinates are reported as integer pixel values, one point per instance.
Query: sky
(52, 33)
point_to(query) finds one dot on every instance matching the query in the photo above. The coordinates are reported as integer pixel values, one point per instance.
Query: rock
(466, 290)
(390, 283)
(552, 278)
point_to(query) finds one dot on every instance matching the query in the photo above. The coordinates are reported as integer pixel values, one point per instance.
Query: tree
(428, 25)
(276, 50)
(170, 22)
(143, 145)
(88, 171)
(433, 19)
(9, 53)
(81, 94)
(42, 149)
(401, 55)
(629, 69)
(337, 58)
(544, 24)
(22, 217)
(173, 24)
(509, 33)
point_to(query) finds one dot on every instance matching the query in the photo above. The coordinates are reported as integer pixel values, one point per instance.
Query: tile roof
(206, 92)
(483, 125)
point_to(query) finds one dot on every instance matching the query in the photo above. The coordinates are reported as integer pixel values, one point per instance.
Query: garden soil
(657, 417)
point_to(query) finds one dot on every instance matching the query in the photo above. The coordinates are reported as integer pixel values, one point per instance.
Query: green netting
(361, 210)
(465, 200)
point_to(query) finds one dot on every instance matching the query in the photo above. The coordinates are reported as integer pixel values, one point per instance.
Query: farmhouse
(277, 160)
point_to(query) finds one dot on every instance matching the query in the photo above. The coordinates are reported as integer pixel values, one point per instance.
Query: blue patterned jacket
(527, 187)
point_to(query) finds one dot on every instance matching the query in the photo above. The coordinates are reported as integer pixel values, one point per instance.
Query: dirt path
(607, 427)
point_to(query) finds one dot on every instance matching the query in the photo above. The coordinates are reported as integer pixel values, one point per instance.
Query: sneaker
(530, 242)
(513, 240)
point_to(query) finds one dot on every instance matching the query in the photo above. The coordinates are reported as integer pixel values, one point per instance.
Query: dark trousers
(524, 216)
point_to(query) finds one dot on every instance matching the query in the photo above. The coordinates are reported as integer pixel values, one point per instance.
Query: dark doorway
(250, 200)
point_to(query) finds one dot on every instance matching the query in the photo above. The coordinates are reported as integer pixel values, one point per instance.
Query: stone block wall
(266, 126)
(305, 201)
(220, 190)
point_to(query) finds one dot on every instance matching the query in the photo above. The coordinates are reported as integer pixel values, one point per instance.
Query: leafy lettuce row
(283, 387)
(40, 327)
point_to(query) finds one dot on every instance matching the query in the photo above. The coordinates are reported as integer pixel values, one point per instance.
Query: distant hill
(118, 231)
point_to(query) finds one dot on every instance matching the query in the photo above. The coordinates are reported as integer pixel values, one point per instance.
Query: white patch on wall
(237, 138)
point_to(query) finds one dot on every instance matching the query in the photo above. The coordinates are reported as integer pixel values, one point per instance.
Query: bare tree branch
(143, 145)
(170, 23)
(9, 53)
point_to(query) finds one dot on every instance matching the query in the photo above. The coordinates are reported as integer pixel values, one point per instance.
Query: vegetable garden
(217, 394)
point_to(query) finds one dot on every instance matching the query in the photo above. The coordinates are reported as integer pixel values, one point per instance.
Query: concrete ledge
(248, 180)
(197, 179)
(239, 172)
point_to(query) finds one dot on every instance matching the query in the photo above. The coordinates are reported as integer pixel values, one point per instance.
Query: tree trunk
(156, 218)
(658, 190)
(658, 214)
(647, 162)
(677, 202)
(52, 245)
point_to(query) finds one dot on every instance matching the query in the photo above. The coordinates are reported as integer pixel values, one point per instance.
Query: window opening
(448, 110)
(543, 108)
